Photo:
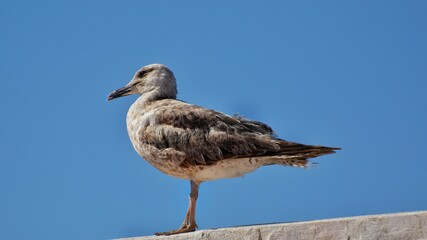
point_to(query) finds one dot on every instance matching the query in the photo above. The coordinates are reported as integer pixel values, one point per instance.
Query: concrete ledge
(410, 225)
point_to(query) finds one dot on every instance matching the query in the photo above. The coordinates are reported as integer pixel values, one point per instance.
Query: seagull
(198, 144)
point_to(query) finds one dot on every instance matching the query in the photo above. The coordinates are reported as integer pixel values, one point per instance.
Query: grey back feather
(206, 136)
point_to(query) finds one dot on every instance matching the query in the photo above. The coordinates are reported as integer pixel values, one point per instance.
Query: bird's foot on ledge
(183, 229)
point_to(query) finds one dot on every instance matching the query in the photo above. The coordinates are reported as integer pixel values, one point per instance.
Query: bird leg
(189, 224)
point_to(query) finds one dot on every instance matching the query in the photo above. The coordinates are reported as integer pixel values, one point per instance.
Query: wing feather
(206, 136)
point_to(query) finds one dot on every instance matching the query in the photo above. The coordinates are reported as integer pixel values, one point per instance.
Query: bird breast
(137, 120)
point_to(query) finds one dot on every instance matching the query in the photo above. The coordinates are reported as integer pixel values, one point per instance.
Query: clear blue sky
(350, 74)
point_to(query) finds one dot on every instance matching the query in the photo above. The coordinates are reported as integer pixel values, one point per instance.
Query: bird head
(154, 81)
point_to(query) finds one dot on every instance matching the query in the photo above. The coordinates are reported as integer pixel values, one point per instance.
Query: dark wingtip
(334, 149)
(330, 150)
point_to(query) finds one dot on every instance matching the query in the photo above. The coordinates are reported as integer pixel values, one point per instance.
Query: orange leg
(189, 224)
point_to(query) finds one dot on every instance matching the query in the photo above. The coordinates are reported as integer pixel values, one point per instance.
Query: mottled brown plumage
(199, 144)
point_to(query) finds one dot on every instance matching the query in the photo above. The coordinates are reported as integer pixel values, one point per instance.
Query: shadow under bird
(191, 142)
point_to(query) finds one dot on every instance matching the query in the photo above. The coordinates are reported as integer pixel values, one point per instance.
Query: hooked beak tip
(111, 96)
(119, 93)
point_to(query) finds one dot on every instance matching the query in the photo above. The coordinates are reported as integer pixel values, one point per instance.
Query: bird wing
(206, 136)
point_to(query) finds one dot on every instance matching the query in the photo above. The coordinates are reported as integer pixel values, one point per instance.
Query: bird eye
(142, 74)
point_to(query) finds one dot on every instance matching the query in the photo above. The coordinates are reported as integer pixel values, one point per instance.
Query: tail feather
(309, 151)
(297, 155)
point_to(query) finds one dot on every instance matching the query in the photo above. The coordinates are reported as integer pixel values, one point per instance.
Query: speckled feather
(192, 142)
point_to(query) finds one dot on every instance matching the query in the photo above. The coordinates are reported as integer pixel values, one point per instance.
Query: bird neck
(156, 94)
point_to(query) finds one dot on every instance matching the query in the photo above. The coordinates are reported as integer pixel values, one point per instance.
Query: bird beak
(121, 92)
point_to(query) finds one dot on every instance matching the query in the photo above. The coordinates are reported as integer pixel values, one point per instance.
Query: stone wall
(405, 226)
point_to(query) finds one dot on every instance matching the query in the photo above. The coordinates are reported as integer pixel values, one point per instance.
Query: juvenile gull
(191, 142)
